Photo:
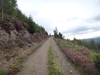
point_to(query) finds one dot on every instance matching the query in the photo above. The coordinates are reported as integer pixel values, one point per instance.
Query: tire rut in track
(68, 69)
(37, 63)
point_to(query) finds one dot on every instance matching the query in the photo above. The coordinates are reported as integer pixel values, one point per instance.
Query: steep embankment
(16, 41)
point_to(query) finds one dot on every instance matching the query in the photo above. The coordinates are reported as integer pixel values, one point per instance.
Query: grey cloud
(97, 18)
(82, 30)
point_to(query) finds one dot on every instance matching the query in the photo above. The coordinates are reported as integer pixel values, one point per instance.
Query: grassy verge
(54, 65)
(81, 57)
(13, 68)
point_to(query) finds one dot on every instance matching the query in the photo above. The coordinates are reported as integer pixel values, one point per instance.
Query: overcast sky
(73, 18)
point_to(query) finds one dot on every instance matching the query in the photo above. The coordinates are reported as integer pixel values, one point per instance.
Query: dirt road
(66, 66)
(37, 63)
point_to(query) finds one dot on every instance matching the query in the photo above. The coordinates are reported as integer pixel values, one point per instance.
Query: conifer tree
(8, 7)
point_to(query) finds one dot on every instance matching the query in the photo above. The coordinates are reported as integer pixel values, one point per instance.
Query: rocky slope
(16, 41)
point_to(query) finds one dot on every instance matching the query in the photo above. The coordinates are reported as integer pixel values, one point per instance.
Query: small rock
(70, 71)
(69, 64)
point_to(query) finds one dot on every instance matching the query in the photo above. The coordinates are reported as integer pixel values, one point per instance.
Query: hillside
(85, 60)
(16, 41)
(19, 34)
(26, 48)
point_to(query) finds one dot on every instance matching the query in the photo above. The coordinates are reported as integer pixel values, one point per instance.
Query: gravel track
(37, 63)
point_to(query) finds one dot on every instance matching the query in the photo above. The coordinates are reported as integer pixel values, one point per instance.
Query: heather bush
(12, 71)
(18, 24)
(79, 56)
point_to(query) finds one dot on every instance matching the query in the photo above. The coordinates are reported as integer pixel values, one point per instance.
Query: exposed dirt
(37, 63)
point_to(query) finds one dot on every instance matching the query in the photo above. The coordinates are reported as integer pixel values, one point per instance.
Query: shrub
(12, 71)
(3, 72)
(97, 62)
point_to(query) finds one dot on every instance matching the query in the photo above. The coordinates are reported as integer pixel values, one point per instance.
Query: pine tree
(56, 33)
(1, 8)
(32, 24)
(60, 36)
(8, 7)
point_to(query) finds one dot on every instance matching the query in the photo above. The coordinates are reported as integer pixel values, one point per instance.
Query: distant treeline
(96, 39)
(9, 10)
(89, 44)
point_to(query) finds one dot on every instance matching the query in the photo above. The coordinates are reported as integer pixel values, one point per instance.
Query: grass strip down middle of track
(54, 65)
